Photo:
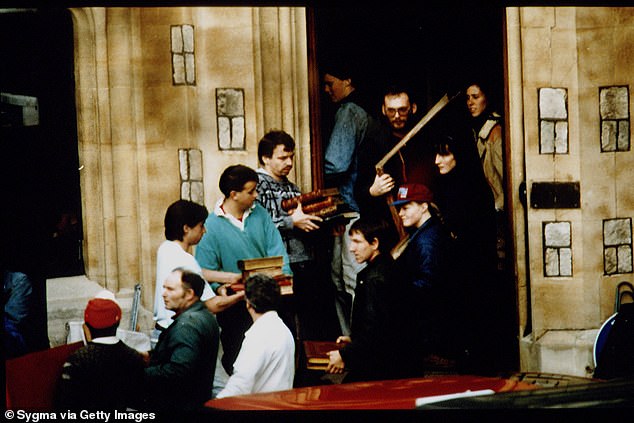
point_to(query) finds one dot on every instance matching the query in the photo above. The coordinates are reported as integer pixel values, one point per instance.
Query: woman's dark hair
(463, 150)
(263, 293)
(271, 140)
(180, 213)
(235, 177)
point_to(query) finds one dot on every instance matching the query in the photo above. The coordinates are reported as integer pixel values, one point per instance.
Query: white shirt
(169, 256)
(266, 361)
(238, 223)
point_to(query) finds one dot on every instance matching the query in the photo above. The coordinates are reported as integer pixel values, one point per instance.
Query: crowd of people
(409, 284)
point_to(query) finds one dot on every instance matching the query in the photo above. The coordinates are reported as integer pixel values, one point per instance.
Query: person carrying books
(266, 361)
(239, 228)
(377, 345)
(313, 298)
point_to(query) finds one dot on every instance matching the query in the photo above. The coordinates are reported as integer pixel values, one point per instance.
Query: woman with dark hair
(184, 227)
(486, 127)
(466, 201)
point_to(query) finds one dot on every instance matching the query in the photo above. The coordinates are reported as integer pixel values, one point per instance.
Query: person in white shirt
(266, 361)
(184, 227)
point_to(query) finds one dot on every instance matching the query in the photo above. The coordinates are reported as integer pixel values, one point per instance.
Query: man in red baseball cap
(105, 374)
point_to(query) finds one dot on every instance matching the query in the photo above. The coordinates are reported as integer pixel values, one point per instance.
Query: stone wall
(151, 86)
(570, 123)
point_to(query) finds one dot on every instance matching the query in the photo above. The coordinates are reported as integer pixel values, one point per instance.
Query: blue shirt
(351, 124)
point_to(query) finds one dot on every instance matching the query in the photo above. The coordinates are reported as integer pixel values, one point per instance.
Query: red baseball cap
(413, 192)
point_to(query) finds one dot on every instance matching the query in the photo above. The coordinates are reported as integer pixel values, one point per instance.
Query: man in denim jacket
(352, 123)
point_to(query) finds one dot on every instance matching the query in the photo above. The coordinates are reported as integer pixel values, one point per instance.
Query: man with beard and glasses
(414, 163)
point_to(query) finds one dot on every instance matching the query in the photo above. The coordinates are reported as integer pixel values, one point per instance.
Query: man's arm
(222, 301)
(275, 244)
(342, 144)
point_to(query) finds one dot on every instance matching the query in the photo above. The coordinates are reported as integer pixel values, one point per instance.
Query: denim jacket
(340, 162)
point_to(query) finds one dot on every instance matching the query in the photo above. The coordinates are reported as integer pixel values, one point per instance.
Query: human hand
(304, 221)
(344, 339)
(382, 184)
(335, 364)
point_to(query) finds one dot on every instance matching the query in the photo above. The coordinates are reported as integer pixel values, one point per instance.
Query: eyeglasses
(402, 111)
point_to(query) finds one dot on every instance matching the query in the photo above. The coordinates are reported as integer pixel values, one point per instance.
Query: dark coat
(466, 203)
(378, 324)
(413, 164)
(182, 366)
(101, 377)
(424, 264)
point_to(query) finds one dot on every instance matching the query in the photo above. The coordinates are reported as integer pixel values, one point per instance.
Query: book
(260, 262)
(317, 353)
(309, 197)
(342, 217)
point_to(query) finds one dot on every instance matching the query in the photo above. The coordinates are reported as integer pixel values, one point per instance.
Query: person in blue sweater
(239, 228)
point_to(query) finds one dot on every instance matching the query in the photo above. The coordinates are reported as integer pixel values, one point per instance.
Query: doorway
(433, 50)
(40, 156)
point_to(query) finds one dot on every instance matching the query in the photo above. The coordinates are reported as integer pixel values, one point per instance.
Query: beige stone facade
(133, 120)
(581, 52)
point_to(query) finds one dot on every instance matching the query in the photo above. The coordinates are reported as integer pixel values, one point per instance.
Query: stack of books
(271, 266)
(325, 203)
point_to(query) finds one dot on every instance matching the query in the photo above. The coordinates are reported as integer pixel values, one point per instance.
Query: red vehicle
(400, 394)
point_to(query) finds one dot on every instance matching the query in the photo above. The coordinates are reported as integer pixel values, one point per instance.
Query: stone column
(281, 74)
(125, 178)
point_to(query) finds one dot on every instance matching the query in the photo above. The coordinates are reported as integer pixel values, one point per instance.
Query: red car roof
(375, 395)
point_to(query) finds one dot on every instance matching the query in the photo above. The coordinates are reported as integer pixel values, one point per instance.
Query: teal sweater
(220, 249)
(224, 244)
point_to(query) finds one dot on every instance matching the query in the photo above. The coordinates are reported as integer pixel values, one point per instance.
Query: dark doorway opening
(431, 49)
(40, 158)
(41, 226)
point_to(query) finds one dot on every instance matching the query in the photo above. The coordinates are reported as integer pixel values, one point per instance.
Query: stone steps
(66, 299)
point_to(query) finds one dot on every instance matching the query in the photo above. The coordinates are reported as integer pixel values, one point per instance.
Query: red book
(317, 353)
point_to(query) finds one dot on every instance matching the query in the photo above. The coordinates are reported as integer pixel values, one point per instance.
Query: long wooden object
(396, 251)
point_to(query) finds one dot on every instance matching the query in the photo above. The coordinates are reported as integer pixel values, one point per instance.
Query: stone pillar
(121, 84)
(281, 69)
(95, 154)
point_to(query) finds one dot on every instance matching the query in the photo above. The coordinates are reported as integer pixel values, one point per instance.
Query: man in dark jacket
(375, 348)
(106, 374)
(182, 366)
(413, 163)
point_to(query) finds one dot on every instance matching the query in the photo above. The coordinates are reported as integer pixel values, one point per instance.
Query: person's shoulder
(133, 356)
(259, 210)
(195, 316)
(166, 246)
